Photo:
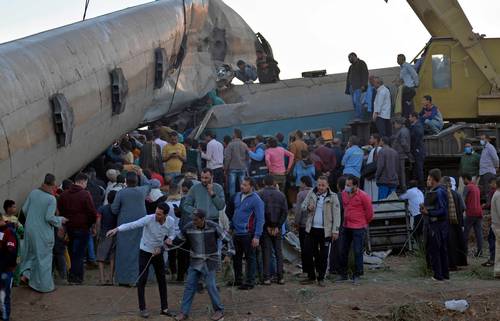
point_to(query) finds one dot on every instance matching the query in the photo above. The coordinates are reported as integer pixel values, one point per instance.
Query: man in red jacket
(77, 206)
(474, 213)
(358, 213)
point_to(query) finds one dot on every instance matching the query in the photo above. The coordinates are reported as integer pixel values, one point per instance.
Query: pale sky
(305, 35)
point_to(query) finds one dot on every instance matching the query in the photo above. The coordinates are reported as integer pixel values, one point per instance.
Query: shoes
(245, 287)
(217, 316)
(74, 280)
(488, 263)
(144, 314)
(235, 283)
(168, 313)
(478, 253)
(437, 280)
(356, 280)
(307, 281)
(181, 317)
(92, 265)
(281, 281)
(341, 279)
(267, 282)
(321, 283)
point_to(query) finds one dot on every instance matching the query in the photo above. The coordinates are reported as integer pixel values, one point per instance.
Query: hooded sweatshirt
(77, 206)
(303, 168)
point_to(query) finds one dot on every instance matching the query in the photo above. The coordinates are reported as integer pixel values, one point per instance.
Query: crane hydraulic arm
(445, 18)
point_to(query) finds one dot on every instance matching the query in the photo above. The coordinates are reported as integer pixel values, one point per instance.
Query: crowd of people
(158, 197)
(177, 200)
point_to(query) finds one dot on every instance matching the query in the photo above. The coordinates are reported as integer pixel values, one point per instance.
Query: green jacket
(198, 198)
(469, 164)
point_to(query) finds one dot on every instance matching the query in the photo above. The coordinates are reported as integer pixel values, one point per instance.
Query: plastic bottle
(457, 305)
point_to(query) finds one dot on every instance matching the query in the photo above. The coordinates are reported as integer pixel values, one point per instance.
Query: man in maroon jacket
(328, 160)
(77, 206)
(473, 212)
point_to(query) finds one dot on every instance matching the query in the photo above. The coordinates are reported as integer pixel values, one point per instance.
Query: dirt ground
(394, 293)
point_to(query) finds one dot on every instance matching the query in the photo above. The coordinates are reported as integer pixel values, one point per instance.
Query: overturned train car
(68, 93)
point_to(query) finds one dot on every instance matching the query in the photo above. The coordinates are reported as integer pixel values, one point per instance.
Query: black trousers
(317, 253)
(159, 267)
(407, 104)
(437, 248)
(384, 127)
(334, 265)
(219, 176)
(303, 250)
(243, 248)
(418, 169)
(183, 257)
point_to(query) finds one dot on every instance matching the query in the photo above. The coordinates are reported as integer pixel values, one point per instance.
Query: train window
(441, 71)
(63, 117)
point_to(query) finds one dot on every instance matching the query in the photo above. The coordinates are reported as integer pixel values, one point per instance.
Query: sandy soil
(394, 293)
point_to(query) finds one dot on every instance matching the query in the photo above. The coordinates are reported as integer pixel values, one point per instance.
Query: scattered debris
(457, 305)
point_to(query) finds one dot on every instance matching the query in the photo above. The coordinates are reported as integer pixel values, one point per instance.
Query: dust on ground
(395, 293)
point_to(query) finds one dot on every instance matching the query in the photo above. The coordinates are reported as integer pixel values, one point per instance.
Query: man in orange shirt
(298, 146)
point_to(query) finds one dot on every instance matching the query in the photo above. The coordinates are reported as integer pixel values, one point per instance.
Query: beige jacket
(495, 211)
(331, 212)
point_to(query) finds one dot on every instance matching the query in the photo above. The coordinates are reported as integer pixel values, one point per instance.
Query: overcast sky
(305, 35)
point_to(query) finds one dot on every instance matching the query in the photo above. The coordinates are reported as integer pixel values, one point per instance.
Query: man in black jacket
(417, 148)
(275, 212)
(267, 68)
(356, 82)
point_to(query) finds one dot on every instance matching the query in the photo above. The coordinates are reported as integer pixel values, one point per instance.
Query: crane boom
(445, 18)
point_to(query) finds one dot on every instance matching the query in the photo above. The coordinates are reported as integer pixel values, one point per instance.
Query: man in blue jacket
(247, 224)
(436, 210)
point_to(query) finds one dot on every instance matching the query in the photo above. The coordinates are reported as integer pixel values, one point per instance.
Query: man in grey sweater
(207, 195)
(235, 161)
(387, 169)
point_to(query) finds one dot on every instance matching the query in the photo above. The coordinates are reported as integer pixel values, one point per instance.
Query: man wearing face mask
(488, 164)
(469, 164)
(358, 213)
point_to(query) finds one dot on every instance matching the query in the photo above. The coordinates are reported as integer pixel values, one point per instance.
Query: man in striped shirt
(203, 236)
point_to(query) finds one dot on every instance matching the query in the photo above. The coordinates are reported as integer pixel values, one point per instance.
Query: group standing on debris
(161, 198)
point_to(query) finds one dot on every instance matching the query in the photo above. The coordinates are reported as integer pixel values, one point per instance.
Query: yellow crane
(458, 67)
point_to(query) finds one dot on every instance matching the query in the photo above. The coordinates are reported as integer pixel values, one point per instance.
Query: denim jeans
(272, 252)
(432, 126)
(5, 290)
(356, 237)
(78, 240)
(91, 249)
(235, 174)
(384, 191)
(356, 102)
(243, 247)
(194, 276)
